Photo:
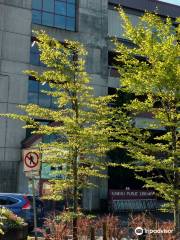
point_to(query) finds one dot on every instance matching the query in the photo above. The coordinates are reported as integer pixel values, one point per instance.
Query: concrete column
(15, 33)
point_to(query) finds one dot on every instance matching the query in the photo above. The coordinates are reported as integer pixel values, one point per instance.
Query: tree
(80, 120)
(150, 72)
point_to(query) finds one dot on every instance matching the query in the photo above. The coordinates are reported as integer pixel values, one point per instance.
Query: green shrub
(8, 220)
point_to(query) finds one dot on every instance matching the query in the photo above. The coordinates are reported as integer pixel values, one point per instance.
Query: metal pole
(34, 209)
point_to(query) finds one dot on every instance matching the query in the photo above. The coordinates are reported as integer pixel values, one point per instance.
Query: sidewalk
(32, 238)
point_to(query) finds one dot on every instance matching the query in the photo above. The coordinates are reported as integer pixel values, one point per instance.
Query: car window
(7, 201)
(3, 202)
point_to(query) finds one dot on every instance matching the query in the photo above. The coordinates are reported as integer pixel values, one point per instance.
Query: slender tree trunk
(176, 204)
(75, 172)
(176, 183)
(92, 233)
(75, 199)
(105, 231)
(177, 215)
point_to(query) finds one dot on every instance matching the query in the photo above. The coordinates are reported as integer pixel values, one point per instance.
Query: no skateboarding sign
(31, 159)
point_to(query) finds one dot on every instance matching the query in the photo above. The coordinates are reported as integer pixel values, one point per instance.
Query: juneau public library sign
(137, 200)
(131, 194)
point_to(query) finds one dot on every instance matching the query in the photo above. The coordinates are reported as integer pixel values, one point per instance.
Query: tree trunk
(75, 233)
(177, 209)
(75, 200)
(75, 166)
(176, 183)
(92, 233)
(105, 231)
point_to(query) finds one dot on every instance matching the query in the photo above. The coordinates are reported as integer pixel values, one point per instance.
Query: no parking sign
(31, 160)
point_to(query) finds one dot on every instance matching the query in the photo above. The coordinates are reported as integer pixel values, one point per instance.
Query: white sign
(31, 160)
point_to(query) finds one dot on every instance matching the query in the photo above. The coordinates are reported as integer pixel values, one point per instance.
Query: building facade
(92, 22)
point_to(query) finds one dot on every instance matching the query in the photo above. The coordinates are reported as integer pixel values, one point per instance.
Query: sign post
(34, 209)
(31, 160)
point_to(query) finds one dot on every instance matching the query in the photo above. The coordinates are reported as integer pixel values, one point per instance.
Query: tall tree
(150, 72)
(81, 120)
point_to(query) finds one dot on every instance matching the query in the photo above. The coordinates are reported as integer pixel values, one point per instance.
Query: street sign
(31, 160)
(33, 174)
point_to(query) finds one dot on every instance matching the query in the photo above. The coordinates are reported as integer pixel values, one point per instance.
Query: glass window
(45, 87)
(36, 16)
(37, 4)
(33, 86)
(3, 202)
(34, 58)
(60, 8)
(44, 100)
(34, 48)
(70, 10)
(71, 1)
(55, 13)
(33, 98)
(60, 21)
(35, 55)
(48, 5)
(53, 102)
(36, 96)
(7, 201)
(70, 24)
(47, 19)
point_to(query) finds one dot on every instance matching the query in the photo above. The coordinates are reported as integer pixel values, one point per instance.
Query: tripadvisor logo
(140, 231)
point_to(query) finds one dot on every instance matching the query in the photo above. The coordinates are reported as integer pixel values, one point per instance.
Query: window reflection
(47, 19)
(70, 10)
(36, 95)
(36, 16)
(35, 55)
(37, 4)
(60, 21)
(70, 24)
(48, 5)
(60, 8)
(55, 13)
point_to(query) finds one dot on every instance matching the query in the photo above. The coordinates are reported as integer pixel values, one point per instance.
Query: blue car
(22, 205)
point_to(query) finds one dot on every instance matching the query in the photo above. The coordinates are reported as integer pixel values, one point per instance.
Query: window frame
(54, 14)
(39, 93)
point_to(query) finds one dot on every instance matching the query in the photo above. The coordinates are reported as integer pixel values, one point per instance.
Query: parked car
(22, 205)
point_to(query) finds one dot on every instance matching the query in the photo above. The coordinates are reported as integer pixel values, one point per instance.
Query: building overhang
(163, 8)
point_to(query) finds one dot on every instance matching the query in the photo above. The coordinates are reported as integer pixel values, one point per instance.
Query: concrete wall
(15, 32)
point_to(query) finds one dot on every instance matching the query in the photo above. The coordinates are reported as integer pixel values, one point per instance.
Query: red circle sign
(31, 159)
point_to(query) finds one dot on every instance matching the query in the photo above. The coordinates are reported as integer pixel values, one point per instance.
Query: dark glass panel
(35, 49)
(45, 87)
(53, 102)
(60, 8)
(33, 86)
(44, 100)
(37, 4)
(60, 21)
(33, 97)
(36, 16)
(47, 19)
(71, 1)
(70, 24)
(48, 5)
(70, 10)
(34, 58)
